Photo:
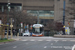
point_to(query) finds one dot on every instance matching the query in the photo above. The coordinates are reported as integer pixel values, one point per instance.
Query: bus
(37, 30)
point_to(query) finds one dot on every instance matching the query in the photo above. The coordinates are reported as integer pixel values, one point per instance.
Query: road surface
(39, 43)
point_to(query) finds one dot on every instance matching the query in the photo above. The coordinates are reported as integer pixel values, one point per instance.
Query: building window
(42, 13)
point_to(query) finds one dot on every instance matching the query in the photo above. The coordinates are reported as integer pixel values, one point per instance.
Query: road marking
(32, 40)
(24, 40)
(15, 47)
(48, 40)
(72, 40)
(40, 40)
(56, 40)
(56, 47)
(67, 47)
(73, 48)
(45, 46)
(64, 40)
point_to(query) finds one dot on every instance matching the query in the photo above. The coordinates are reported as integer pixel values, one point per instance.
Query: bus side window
(33, 29)
(41, 29)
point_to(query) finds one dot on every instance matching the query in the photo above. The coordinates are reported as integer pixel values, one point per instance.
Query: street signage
(11, 25)
(67, 30)
(21, 24)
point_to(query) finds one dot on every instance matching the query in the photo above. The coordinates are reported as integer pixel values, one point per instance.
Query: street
(39, 43)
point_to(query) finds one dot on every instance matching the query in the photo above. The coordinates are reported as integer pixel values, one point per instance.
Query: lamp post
(64, 16)
(8, 19)
(11, 28)
(8, 5)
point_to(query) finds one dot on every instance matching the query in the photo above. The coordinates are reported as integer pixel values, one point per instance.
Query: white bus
(37, 30)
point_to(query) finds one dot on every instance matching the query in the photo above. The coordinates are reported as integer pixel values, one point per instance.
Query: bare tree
(20, 16)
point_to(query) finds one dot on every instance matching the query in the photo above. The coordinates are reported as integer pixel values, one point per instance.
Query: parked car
(26, 34)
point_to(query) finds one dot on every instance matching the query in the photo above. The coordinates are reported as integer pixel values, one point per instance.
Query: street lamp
(8, 6)
(8, 19)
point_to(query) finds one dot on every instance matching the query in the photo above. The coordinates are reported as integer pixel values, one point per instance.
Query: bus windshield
(37, 30)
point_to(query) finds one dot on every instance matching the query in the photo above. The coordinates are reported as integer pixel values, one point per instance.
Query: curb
(64, 36)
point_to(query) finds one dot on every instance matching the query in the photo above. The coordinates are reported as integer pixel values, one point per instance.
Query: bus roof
(38, 25)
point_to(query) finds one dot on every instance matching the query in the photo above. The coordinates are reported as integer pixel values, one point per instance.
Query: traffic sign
(11, 25)
(21, 24)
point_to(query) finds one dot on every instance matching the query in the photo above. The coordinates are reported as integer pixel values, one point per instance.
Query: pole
(7, 32)
(64, 15)
(18, 35)
(8, 23)
(37, 17)
(11, 29)
(1, 32)
(8, 20)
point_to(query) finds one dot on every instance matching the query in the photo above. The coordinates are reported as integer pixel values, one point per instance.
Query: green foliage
(5, 40)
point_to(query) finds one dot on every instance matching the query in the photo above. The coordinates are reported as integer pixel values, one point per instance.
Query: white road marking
(72, 40)
(24, 40)
(45, 46)
(15, 47)
(73, 48)
(67, 47)
(32, 40)
(64, 40)
(56, 40)
(48, 40)
(56, 47)
(50, 37)
(40, 40)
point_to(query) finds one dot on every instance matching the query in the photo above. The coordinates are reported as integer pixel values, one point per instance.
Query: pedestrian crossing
(48, 40)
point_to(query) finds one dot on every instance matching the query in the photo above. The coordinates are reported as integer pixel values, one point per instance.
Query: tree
(57, 26)
(20, 16)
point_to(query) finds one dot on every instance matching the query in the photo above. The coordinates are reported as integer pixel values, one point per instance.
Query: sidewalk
(16, 38)
(65, 36)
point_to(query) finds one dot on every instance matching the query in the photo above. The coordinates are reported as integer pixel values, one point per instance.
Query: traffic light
(69, 23)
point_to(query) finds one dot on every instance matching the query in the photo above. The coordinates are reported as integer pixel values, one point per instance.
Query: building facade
(48, 9)
(45, 7)
(59, 13)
